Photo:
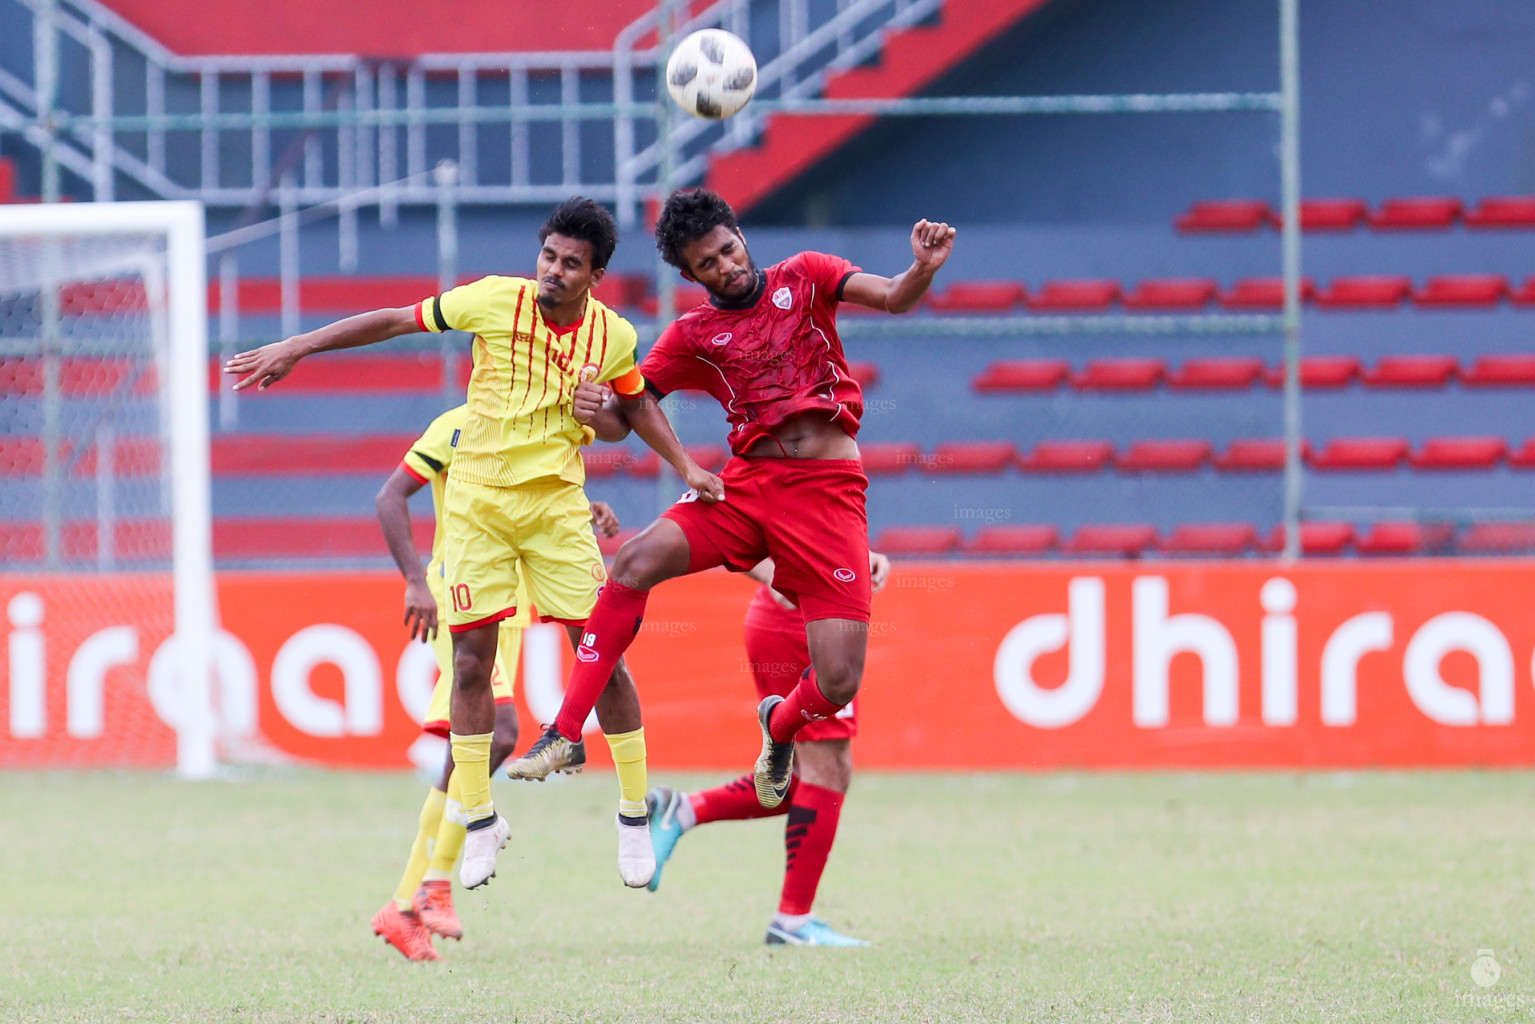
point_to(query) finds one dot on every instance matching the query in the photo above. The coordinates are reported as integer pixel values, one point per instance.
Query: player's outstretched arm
(644, 414)
(269, 364)
(393, 505)
(931, 243)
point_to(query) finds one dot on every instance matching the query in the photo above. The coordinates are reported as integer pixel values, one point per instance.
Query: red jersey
(769, 360)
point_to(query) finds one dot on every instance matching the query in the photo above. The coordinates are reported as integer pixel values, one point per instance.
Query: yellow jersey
(519, 425)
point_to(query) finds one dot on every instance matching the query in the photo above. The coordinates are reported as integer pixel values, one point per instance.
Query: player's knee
(470, 670)
(641, 564)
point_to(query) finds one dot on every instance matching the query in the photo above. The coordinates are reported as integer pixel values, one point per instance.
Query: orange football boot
(434, 906)
(402, 929)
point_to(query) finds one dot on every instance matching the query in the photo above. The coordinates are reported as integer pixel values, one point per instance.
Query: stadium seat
(1209, 539)
(1315, 538)
(1164, 456)
(1225, 215)
(1360, 453)
(1502, 212)
(709, 456)
(295, 537)
(1255, 455)
(918, 540)
(1127, 540)
(889, 458)
(1462, 290)
(1498, 538)
(1458, 453)
(1500, 371)
(687, 296)
(1523, 457)
(1371, 292)
(1263, 293)
(1410, 372)
(1230, 373)
(1067, 457)
(1396, 214)
(1328, 214)
(622, 291)
(1524, 295)
(609, 545)
(977, 297)
(1176, 294)
(865, 373)
(1073, 296)
(1012, 540)
(1119, 375)
(606, 460)
(1403, 539)
(970, 457)
(1022, 375)
(307, 454)
(1318, 372)
(644, 466)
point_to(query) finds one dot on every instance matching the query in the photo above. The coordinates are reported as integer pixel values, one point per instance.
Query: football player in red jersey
(765, 345)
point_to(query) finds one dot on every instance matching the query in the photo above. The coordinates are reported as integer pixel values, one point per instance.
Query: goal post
(103, 312)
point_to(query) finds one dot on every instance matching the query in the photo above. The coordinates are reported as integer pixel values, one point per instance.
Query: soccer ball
(711, 74)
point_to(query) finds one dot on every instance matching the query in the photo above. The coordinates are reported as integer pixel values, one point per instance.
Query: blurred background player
(823, 770)
(423, 902)
(514, 511)
(765, 346)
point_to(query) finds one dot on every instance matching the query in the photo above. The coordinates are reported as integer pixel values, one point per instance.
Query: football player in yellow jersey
(423, 901)
(514, 510)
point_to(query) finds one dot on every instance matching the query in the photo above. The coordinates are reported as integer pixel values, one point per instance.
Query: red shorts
(776, 648)
(806, 514)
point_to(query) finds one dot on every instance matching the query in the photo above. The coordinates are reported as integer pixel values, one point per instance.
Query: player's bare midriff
(806, 436)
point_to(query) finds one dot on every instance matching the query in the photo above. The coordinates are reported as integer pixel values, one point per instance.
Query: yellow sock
(427, 829)
(471, 769)
(450, 835)
(629, 758)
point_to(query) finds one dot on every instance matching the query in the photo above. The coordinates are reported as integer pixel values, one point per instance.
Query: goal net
(105, 554)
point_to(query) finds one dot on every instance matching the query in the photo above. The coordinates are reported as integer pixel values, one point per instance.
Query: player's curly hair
(585, 220)
(689, 215)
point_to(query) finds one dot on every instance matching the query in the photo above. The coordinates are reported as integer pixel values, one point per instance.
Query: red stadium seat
(970, 457)
(709, 456)
(622, 291)
(1410, 372)
(1462, 290)
(1361, 453)
(1416, 213)
(1013, 540)
(1523, 457)
(1502, 212)
(865, 373)
(977, 297)
(1498, 538)
(1164, 456)
(609, 545)
(1377, 291)
(1320, 372)
(1226, 215)
(1176, 294)
(606, 460)
(1022, 375)
(1235, 373)
(292, 537)
(1524, 295)
(644, 466)
(1500, 371)
(1073, 296)
(687, 296)
(1315, 538)
(1119, 375)
(306, 455)
(1127, 540)
(918, 540)
(1210, 539)
(1328, 214)
(1403, 539)
(1458, 453)
(1067, 457)
(889, 459)
(1263, 293)
(1255, 455)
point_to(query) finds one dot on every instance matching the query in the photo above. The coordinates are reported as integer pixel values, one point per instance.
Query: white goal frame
(185, 392)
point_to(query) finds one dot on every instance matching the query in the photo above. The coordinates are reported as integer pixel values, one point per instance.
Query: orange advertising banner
(970, 666)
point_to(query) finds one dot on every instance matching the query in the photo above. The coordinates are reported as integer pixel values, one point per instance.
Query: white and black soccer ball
(711, 74)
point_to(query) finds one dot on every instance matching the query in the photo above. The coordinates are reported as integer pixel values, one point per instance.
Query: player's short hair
(689, 215)
(585, 220)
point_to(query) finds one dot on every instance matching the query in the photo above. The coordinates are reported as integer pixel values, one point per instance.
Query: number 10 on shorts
(462, 602)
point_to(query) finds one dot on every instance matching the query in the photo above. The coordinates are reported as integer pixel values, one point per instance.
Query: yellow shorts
(502, 677)
(537, 535)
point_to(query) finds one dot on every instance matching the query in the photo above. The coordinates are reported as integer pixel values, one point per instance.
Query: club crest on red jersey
(783, 298)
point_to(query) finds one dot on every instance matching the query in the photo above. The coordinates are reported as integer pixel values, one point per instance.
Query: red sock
(735, 801)
(807, 839)
(610, 629)
(805, 704)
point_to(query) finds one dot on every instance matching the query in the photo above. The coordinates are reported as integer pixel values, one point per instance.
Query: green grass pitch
(1112, 897)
